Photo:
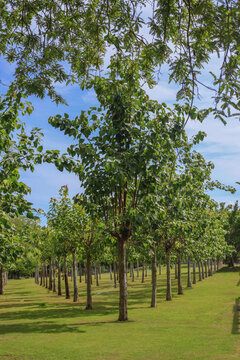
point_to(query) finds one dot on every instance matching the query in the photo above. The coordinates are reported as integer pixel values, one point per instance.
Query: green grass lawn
(202, 324)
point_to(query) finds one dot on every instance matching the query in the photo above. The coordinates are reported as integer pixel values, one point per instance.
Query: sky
(221, 146)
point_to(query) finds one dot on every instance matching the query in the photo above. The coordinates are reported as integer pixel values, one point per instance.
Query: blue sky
(221, 146)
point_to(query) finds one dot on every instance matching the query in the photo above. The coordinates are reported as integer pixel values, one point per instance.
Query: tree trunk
(46, 275)
(74, 270)
(211, 267)
(59, 277)
(194, 273)
(122, 280)
(143, 265)
(199, 272)
(202, 270)
(53, 276)
(146, 274)
(80, 272)
(176, 270)
(50, 275)
(180, 289)
(114, 273)
(89, 282)
(137, 268)
(1, 280)
(159, 269)
(37, 274)
(100, 271)
(66, 278)
(95, 270)
(85, 273)
(154, 278)
(189, 282)
(41, 276)
(132, 271)
(169, 286)
(215, 266)
(110, 271)
(117, 271)
(97, 273)
(206, 271)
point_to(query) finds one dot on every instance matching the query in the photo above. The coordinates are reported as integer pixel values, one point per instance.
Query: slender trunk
(218, 265)
(194, 273)
(211, 267)
(122, 280)
(95, 270)
(143, 265)
(169, 286)
(199, 272)
(189, 282)
(146, 274)
(209, 272)
(59, 277)
(74, 270)
(85, 273)
(159, 269)
(117, 271)
(203, 276)
(110, 271)
(215, 266)
(176, 270)
(206, 271)
(66, 278)
(80, 272)
(137, 268)
(54, 275)
(154, 278)
(50, 275)
(89, 282)
(100, 271)
(114, 273)
(46, 274)
(133, 277)
(72, 273)
(37, 274)
(41, 276)
(97, 281)
(1, 280)
(180, 289)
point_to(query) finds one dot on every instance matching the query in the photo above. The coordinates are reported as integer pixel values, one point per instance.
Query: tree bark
(180, 289)
(137, 268)
(75, 287)
(1, 280)
(159, 269)
(169, 286)
(50, 275)
(123, 316)
(44, 274)
(114, 273)
(203, 276)
(199, 272)
(206, 271)
(146, 274)
(59, 277)
(46, 277)
(154, 278)
(53, 276)
(215, 266)
(41, 276)
(110, 271)
(211, 267)
(89, 282)
(194, 273)
(189, 282)
(100, 271)
(66, 278)
(80, 272)
(97, 273)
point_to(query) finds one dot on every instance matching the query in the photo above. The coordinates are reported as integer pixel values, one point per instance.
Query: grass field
(204, 323)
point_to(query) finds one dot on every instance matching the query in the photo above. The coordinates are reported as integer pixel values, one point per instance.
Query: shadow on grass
(236, 318)
(39, 327)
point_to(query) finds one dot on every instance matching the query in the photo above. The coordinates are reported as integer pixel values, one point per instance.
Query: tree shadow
(236, 318)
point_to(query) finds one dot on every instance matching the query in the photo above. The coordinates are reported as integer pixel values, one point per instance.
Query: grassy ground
(36, 324)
